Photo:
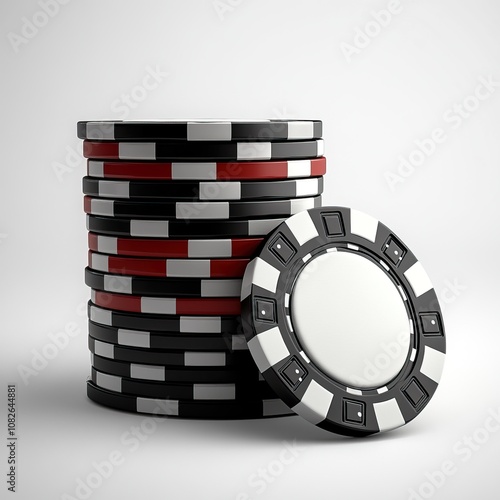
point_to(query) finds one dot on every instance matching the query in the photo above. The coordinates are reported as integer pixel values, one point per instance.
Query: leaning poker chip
(172, 374)
(188, 249)
(188, 409)
(188, 211)
(201, 130)
(181, 229)
(206, 342)
(196, 391)
(170, 268)
(225, 151)
(207, 171)
(150, 356)
(331, 291)
(204, 190)
(165, 323)
(167, 305)
(164, 287)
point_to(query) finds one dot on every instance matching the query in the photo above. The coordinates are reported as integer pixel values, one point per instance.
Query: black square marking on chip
(354, 412)
(282, 249)
(415, 393)
(293, 373)
(431, 324)
(265, 310)
(394, 250)
(333, 224)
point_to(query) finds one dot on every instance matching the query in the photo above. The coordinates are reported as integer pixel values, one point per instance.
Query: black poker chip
(203, 190)
(213, 410)
(343, 322)
(196, 391)
(175, 374)
(198, 210)
(201, 130)
(164, 323)
(165, 287)
(167, 356)
(231, 343)
(181, 229)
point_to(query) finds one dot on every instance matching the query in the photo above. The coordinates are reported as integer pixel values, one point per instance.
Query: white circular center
(350, 319)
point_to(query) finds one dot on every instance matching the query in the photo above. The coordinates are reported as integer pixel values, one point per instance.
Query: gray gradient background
(275, 58)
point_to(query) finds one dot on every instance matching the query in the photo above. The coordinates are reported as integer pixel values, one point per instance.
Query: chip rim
(323, 404)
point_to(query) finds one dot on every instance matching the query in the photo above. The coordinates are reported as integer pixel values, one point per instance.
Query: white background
(254, 59)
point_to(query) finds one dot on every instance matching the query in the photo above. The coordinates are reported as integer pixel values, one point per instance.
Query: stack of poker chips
(175, 212)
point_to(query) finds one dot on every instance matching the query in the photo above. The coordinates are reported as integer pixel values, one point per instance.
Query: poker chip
(170, 268)
(201, 130)
(167, 305)
(196, 391)
(207, 171)
(189, 323)
(205, 190)
(343, 322)
(188, 211)
(181, 229)
(148, 356)
(206, 342)
(173, 374)
(207, 150)
(175, 248)
(182, 287)
(212, 410)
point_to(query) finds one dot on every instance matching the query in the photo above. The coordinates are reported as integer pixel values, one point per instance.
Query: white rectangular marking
(254, 151)
(388, 415)
(137, 150)
(99, 262)
(107, 244)
(134, 338)
(418, 279)
(300, 130)
(158, 406)
(158, 305)
(110, 382)
(268, 348)
(214, 391)
(364, 225)
(302, 227)
(149, 228)
(96, 168)
(315, 403)
(147, 372)
(114, 189)
(198, 131)
(194, 171)
(432, 364)
(260, 273)
(103, 349)
(299, 168)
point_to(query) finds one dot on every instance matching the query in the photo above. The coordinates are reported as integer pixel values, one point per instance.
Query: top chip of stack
(201, 130)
